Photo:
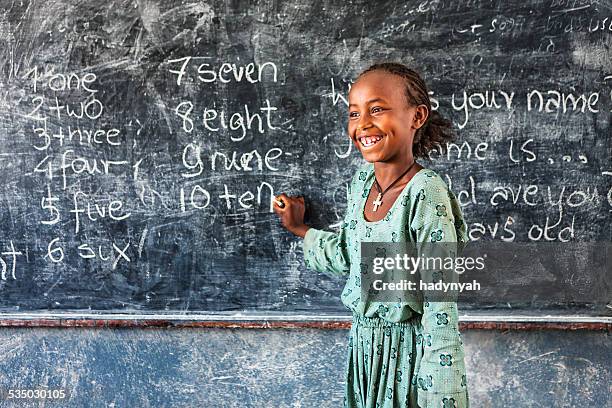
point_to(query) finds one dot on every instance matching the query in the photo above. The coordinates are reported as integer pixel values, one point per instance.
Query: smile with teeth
(369, 141)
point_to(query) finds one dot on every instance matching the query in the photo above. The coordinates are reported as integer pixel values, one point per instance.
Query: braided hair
(437, 130)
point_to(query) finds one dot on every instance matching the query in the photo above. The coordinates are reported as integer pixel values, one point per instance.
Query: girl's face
(381, 123)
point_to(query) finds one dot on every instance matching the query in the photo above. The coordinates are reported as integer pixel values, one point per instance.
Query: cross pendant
(377, 203)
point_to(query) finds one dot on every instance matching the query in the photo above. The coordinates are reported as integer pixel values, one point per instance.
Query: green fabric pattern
(399, 354)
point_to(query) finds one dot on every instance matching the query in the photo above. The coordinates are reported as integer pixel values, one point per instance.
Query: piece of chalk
(280, 203)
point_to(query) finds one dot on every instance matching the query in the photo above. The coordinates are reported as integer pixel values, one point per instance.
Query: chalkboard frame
(472, 321)
(81, 318)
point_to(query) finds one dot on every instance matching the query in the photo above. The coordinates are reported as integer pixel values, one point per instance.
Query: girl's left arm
(441, 379)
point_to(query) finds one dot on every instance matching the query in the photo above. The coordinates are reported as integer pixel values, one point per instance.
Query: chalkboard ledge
(471, 321)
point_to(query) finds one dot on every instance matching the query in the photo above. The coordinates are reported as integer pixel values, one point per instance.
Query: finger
(281, 201)
(282, 196)
(279, 206)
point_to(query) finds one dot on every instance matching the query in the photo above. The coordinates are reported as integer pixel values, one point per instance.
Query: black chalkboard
(141, 142)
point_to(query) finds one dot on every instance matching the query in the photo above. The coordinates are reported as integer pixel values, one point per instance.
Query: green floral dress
(399, 354)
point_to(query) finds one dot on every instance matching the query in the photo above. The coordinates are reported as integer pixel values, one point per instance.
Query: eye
(377, 109)
(353, 114)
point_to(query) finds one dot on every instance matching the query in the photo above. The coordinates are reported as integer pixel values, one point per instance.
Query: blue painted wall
(286, 367)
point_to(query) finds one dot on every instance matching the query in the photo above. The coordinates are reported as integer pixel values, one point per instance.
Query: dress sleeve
(441, 379)
(326, 251)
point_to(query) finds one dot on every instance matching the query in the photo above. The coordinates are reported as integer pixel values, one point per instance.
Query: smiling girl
(403, 354)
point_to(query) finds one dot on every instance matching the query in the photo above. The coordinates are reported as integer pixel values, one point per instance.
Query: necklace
(378, 202)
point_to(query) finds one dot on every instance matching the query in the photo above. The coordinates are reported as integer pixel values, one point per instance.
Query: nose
(364, 122)
(363, 125)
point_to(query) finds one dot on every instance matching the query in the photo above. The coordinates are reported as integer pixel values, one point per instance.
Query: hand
(292, 214)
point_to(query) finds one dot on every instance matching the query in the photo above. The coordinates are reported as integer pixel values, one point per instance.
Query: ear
(420, 116)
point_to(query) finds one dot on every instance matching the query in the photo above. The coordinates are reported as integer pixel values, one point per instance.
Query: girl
(404, 354)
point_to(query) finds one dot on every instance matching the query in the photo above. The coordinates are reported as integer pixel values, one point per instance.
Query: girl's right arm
(324, 251)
